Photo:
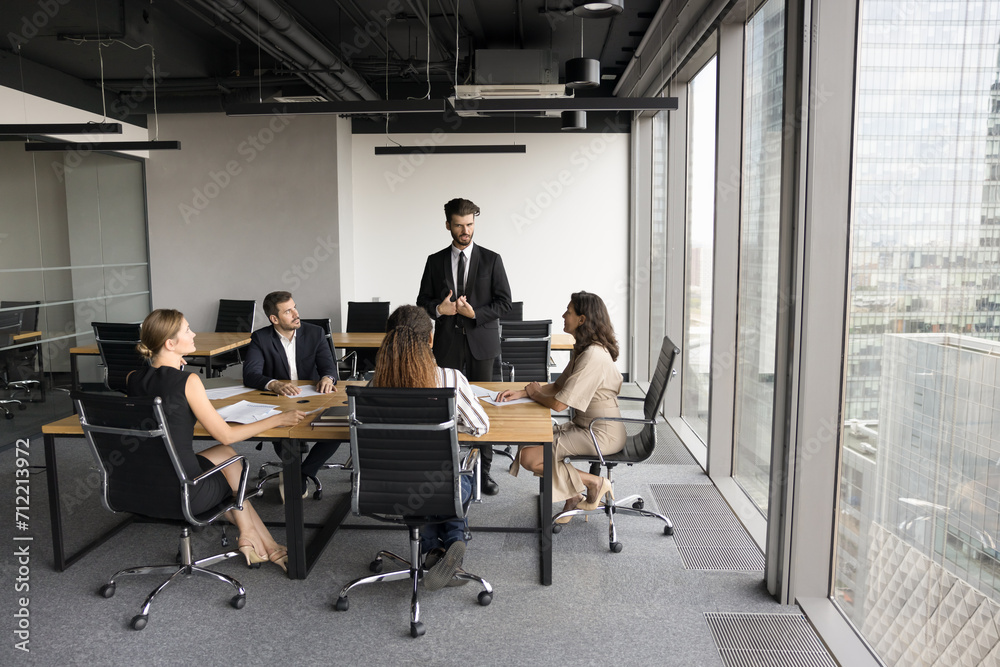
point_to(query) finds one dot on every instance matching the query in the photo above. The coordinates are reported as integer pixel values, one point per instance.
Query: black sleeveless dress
(168, 383)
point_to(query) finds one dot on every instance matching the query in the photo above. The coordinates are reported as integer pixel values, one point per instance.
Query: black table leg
(294, 517)
(545, 518)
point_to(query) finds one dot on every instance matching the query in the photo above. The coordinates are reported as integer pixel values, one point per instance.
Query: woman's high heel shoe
(588, 504)
(253, 559)
(279, 557)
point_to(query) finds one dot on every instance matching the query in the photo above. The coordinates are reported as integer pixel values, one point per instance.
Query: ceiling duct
(512, 74)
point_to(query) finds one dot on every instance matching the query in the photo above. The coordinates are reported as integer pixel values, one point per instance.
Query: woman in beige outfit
(590, 385)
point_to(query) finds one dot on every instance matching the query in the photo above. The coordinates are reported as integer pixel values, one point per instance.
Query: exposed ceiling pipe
(380, 41)
(222, 15)
(331, 86)
(291, 29)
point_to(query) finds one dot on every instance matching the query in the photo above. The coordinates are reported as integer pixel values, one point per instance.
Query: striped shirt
(471, 416)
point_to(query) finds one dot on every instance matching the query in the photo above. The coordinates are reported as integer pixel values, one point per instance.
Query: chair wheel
(616, 547)
(485, 598)
(342, 604)
(556, 527)
(139, 622)
(417, 629)
(238, 601)
(375, 566)
(22, 406)
(668, 530)
(639, 504)
(9, 415)
(107, 591)
(318, 494)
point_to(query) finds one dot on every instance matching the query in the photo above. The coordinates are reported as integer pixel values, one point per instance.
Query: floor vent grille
(758, 640)
(707, 533)
(669, 449)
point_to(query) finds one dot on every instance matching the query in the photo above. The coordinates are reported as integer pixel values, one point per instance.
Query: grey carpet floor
(639, 607)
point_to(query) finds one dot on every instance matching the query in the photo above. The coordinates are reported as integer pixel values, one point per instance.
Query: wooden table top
(208, 344)
(526, 422)
(26, 335)
(560, 341)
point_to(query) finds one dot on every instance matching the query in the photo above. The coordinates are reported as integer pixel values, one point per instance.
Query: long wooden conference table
(528, 423)
(208, 344)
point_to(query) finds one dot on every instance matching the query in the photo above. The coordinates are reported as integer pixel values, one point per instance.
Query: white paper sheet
(308, 390)
(487, 396)
(226, 392)
(245, 412)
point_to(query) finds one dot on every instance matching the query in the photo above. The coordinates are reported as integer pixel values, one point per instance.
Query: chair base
(415, 575)
(263, 477)
(188, 567)
(4, 402)
(632, 505)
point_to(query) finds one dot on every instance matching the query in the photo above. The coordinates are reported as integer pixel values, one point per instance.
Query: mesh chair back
(29, 313)
(10, 326)
(404, 444)
(639, 447)
(236, 315)
(366, 317)
(116, 343)
(324, 324)
(129, 439)
(527, 345)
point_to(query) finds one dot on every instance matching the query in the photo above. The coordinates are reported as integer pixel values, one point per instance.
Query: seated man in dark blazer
(286, 351)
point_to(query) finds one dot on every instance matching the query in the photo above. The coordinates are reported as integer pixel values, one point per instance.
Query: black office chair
(364, 317)
(236, 316)
(10, 326)
(525, 348)
(516, 311)
(638, 448)
(116, 343)
(141, 473)
(20, 362)
(404, 443)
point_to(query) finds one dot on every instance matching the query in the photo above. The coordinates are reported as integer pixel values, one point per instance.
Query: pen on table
(267, 393)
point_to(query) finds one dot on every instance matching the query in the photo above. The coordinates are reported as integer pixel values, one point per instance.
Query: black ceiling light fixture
(589, 9)
(583, 72)
(574, 120)
(29, 129)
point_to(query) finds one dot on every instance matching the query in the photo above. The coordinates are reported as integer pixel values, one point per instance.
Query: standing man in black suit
(465, 291)
(286, 351)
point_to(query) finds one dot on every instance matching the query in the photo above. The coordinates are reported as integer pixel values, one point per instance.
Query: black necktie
(461, 274)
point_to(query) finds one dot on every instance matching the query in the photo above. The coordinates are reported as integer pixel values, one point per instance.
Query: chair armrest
(353, 356)
(623, 420)
(240, 492)
(470, 466)
(631, 398)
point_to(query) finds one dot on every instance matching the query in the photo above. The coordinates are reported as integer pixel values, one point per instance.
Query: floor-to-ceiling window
(697, 350)
(759, 247)
(918, 549)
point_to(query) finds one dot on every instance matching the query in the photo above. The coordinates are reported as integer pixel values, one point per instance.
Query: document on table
(308, 390)
(245, 412)
(226, 392)
(491, 397)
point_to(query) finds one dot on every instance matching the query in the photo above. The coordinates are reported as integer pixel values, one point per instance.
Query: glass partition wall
(73, 237)
(917, 565)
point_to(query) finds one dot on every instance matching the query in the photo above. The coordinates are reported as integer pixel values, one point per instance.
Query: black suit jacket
(487, 291)
(266, 359)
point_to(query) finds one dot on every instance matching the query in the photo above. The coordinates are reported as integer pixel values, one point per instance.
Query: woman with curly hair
(590, 385)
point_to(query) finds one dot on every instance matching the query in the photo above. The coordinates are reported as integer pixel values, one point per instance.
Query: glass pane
(658, 241)
(919, 523)
(696, 376)
(759, 247)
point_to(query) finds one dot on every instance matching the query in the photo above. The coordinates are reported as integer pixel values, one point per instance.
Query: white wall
(248, 206)
(558, 215)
